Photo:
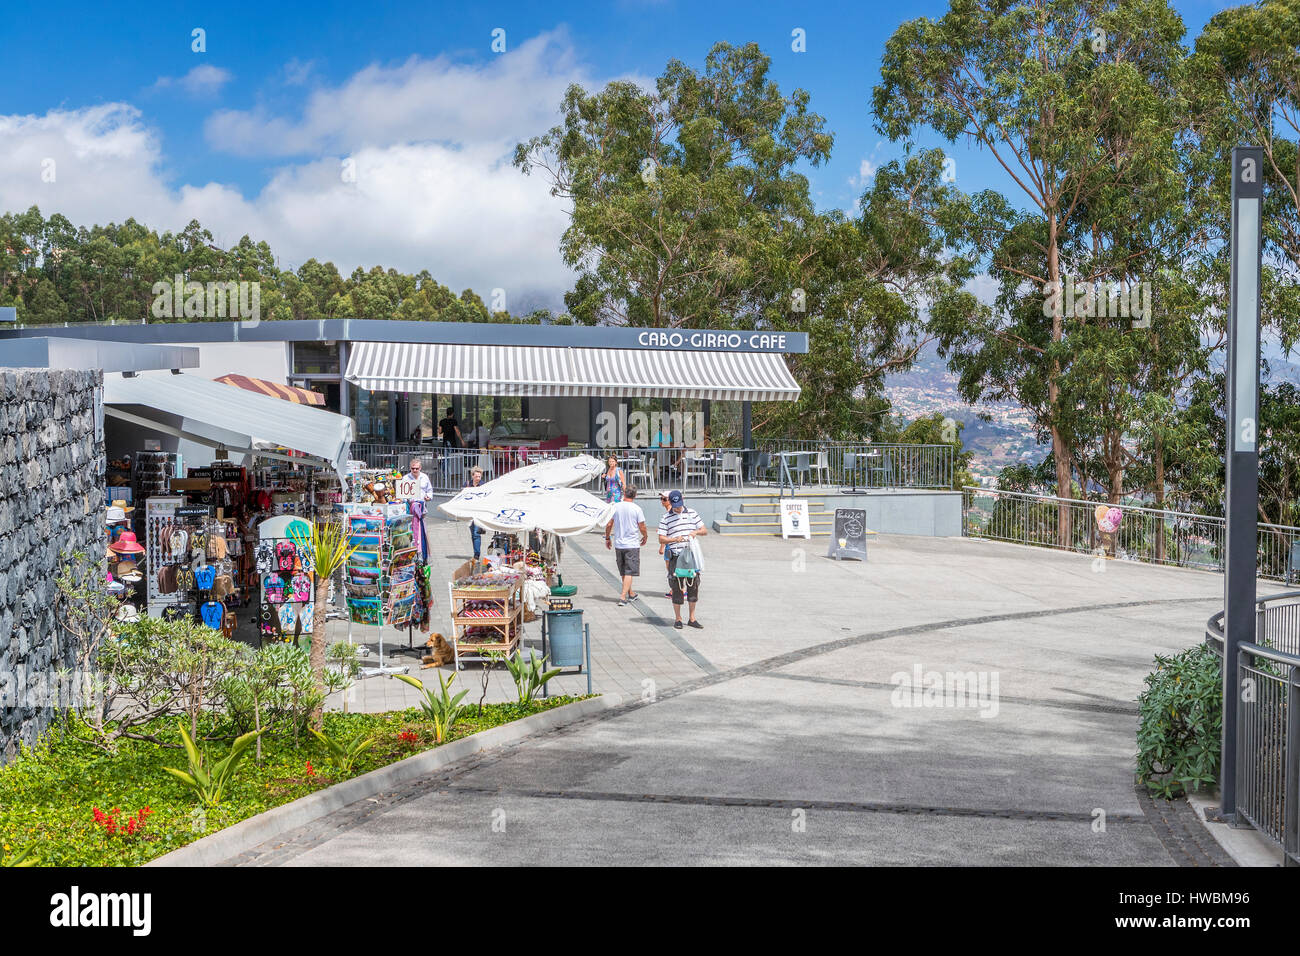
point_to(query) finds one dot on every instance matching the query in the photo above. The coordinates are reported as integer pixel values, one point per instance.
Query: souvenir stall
(530, 509)
(385, 581)
(286, 580)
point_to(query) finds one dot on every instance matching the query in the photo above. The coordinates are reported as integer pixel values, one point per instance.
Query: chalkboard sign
(849, 539)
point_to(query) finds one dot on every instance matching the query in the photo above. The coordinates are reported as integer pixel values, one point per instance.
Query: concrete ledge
(1246, 845)
(233, 840)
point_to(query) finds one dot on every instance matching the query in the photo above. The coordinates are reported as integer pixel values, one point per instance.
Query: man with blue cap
(677, 527)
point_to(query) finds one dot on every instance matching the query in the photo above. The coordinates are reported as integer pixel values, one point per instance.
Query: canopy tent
(224, 416)
(299, 396)
(538, 496)
(501, 370)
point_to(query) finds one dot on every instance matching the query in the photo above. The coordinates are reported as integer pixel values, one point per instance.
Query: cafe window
(372, 413)
(315, 358)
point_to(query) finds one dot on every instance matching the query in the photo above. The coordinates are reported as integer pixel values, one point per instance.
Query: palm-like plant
(443, 709)
(327, 544)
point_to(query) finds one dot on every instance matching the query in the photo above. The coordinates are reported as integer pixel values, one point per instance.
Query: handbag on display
(274, 586)
(167, 579)
(217, 547)
(229, 624)
(285, 556)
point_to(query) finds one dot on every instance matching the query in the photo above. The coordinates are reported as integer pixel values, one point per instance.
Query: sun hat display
(126, 544)
(121, 503)
(127, 612)
(133, 576)
(114, 515)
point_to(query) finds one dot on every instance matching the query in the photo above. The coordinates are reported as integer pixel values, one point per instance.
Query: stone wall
(51, 502)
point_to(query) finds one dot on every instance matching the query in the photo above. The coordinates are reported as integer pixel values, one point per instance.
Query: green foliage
(529, 675)
(209, 780)
(1180, 723)
(154, 668)
(273, 690)
(936, 429)
(48, 791)
(26, 856)
(443, 709)
(344, 756)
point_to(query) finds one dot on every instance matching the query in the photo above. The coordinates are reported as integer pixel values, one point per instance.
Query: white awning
(549, 371)
(213, 413)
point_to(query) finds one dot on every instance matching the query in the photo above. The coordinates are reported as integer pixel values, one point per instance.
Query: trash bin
(564, 638)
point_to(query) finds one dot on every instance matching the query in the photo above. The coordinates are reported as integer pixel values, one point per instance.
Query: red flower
(311, 771)
(408, 737)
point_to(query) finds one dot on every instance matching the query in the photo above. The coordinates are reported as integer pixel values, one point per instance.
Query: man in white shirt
(423, 486)
(678, 525)
(627, 525)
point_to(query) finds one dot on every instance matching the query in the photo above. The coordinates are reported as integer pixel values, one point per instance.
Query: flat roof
(433, 333)
(49, 351)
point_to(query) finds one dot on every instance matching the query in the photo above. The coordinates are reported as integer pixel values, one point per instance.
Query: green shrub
(273, 690)
(207, 777)
(1180, 723)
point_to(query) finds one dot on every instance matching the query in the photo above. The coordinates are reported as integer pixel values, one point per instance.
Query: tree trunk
(317, 654)
(1060, 449)
(1159, 457)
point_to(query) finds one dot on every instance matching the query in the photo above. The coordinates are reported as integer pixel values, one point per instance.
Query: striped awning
(548, 371)
(299, 396)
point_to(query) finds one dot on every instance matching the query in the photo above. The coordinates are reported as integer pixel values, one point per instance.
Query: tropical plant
(327, 544)
(529, 675)
(206, 778)
(443, 709)
(1180, 722)
(344, 755)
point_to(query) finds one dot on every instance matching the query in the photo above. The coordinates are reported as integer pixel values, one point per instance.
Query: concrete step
(769, 528)
(770, 517)
(747, 507)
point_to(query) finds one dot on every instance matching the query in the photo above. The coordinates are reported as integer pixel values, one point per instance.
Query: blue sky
(249, 136)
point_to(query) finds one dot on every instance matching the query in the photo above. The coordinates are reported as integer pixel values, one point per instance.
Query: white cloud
(204, 80)
(505, 99)
(430, 142)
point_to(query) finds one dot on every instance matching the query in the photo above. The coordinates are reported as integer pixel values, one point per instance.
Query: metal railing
(1268, 720)
(1150, 535)
(824, 464)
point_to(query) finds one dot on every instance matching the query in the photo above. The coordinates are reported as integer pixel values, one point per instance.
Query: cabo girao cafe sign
(723, 341)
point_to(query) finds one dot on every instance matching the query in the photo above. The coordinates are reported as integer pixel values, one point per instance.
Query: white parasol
(536, 497)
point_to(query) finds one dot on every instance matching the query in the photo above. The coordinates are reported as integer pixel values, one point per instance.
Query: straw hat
(121, 503)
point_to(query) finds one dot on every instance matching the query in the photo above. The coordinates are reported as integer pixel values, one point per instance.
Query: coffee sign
(794, 519)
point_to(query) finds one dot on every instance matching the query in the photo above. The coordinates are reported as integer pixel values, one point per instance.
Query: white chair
(695, 466)
(639, 473)
(821, 467)
(730, 469)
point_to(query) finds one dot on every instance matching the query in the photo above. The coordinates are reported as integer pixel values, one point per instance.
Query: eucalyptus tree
(1050, 89)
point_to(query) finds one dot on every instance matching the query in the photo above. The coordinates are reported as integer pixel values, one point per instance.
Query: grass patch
(50, 793)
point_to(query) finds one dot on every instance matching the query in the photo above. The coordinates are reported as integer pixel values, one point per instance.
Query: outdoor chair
(730, 469)
(639, 473)
(485, 465)
(802, 467)
(820, 467)
(762, 467)
(882, 468)
(694, 466)
(852, 463)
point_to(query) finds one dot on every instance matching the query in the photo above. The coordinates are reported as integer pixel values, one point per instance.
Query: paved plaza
(778, 733)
